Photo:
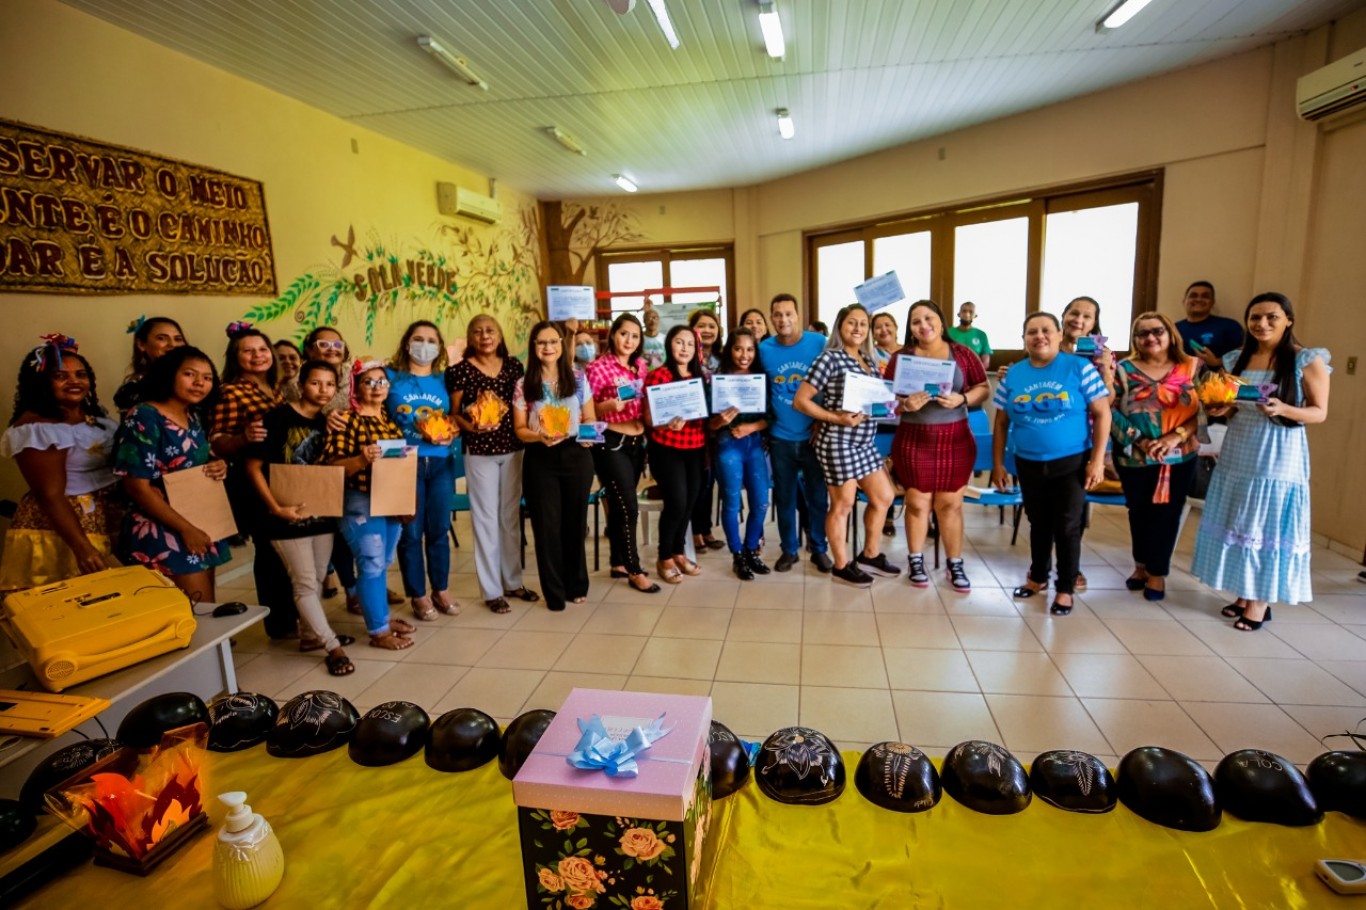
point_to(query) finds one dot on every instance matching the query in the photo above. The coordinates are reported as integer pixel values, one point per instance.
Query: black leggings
(619, 462)
(555, 481)
(706, 500)
(1153, 526)
(1054, 494)
(679, 475)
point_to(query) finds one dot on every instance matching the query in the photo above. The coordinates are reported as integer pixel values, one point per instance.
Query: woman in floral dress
(160, 436)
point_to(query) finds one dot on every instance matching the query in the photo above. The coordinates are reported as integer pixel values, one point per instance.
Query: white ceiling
(859, 75)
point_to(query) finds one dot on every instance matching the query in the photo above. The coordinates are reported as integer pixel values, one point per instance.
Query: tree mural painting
(575, 233)
(483, 271)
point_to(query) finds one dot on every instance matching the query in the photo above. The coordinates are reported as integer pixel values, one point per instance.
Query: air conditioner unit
(456, 200)
(1337, 87)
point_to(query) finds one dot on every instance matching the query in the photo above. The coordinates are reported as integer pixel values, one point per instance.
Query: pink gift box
(668, 770)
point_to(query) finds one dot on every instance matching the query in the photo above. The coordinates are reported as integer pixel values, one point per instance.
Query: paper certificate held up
(862, 392)
(879, 292)
(570, 302)
(684, 398)
(922, 374)
(746, 391)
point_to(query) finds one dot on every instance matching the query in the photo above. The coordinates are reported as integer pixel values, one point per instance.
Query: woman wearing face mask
(585, 348)
(707, 330)
(151, 339)
(1254, 537)
(620, 460)
(420, 406)
(1043, 405)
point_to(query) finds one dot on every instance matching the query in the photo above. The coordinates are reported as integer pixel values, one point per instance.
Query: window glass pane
(633, 276)
(695, 273)
(839, 267)
(909, 256)
(1090, 253)
(990, 266)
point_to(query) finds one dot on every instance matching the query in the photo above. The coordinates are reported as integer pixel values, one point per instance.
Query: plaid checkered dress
(844, 453)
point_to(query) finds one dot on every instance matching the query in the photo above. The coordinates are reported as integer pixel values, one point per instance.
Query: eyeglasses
(1150, 333)
(375, 383)
(330, 345)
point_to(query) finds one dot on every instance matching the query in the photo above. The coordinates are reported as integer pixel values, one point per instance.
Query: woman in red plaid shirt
(677, 457)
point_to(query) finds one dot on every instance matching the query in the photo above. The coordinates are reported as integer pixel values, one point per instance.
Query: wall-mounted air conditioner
(1334, 89)
(456, 200)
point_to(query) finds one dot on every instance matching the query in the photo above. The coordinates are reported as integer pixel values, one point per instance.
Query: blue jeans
(742, 463)
(797, 472)
(373, 541)
(427, 532)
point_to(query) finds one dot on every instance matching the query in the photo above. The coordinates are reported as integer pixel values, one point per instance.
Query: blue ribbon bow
(597, 752)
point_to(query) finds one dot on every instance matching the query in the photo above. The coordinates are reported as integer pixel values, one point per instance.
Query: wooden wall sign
(84, 217)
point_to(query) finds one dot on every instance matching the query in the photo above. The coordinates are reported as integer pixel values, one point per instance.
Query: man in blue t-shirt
(787, 355)
(1216, 335)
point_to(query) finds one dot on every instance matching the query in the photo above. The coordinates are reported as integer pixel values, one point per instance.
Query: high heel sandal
(1243, 624)
(668, 572)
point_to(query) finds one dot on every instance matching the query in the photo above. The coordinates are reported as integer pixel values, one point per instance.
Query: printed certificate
(746, 391)
(685, 398)
(922, 374)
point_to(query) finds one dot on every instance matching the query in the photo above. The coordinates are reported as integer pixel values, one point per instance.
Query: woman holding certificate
(707, 329)
(372, 538)
(741, 458)
(549, 404)
(617, 379)
(934, 451)
(677, 453)
(296, 434)
(156, 438)
(843, 442)
(1254, 537)
(1054, 409)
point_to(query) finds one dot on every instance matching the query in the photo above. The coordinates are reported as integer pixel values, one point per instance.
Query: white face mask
(422, 352)
(586, 352)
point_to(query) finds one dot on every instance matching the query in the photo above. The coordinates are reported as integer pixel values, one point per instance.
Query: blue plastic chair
(461, 500)
(883, 443)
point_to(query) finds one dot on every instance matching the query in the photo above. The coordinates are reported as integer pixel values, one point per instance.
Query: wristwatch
(1182, 432)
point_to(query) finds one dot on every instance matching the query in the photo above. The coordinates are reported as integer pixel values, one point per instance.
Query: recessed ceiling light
(786, 128)
(626, 183)
(1121, 14)
(772, 27)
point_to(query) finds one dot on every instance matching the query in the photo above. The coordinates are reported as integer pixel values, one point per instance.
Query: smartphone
(626, 392)
(1196, 346)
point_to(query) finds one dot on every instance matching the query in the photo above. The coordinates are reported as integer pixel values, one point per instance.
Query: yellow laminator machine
(87, 626)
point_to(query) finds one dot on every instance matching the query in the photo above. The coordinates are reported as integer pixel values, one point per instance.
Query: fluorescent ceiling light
(786, 128)
(457, 64)
(772, 27)
(1121, 14)
(566, 140)
(626, 183)
(665, 23)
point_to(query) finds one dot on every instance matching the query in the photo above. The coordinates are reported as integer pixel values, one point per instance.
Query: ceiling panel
(859, 75)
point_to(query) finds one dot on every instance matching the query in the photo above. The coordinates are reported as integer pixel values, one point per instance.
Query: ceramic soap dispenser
(247, 860)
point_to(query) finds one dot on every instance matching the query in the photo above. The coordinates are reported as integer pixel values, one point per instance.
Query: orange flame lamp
(138, 807)
(555, 419)
(436, 427)
(1218, 389)
(488, 409)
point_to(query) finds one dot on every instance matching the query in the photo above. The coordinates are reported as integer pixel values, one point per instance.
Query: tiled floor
(929, 667)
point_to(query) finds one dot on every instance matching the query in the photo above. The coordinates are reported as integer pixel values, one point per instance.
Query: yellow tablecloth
(409, 837)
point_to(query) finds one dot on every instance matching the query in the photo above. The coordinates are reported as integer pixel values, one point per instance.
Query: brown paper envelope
(319, 488)
(393, 486)
(203, 501)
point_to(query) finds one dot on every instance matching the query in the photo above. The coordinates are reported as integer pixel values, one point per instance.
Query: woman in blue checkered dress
(843, 443)
(1254, 537)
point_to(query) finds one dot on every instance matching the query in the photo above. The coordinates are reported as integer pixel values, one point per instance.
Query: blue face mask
(585, 352)
(422, 352)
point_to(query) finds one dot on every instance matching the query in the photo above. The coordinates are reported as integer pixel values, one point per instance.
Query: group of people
(97, 493)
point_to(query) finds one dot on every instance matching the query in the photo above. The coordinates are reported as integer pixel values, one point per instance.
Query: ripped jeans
(374, 542)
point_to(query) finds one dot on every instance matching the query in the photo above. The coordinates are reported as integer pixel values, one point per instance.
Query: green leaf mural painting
(465, 271)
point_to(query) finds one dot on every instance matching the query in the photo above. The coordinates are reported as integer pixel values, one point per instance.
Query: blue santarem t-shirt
(787, 365)
(1047, 406)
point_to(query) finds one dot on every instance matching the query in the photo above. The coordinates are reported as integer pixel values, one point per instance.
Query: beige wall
(68, 71)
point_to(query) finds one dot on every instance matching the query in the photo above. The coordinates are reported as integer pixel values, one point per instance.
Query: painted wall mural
(575, 234)
(378, 285)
